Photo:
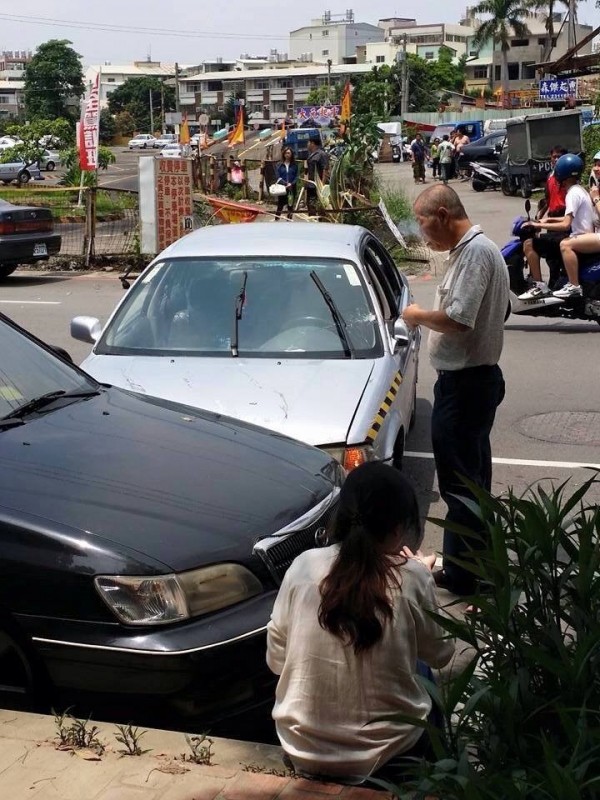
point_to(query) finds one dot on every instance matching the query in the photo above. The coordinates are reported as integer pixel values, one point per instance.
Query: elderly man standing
(465, 343)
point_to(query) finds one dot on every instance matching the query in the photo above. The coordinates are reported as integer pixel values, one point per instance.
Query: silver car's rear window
(188, 307)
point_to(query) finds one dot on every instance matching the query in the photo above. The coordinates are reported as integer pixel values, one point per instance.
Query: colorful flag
(184, 130)
(237, 134)
(88, 132)
(346, 109)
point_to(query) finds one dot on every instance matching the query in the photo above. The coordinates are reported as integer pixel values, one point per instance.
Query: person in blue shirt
(287, 175)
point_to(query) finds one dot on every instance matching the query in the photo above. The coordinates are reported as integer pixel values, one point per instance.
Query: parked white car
(50, 160)
(298, 330)
(142, 141)
(164, 140)
(172, 151)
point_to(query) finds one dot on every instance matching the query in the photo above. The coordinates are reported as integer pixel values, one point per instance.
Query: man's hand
(411, 315)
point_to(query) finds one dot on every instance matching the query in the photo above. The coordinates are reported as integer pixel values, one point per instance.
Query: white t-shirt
(445, 151)
(330, 703)
(579, 205)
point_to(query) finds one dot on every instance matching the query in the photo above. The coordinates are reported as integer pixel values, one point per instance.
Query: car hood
(313, 401)
(182, 487)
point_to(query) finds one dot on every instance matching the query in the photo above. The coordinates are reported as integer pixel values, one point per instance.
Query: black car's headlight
(160, 599)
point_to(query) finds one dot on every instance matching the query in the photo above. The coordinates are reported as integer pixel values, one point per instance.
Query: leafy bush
(591, 145)
(523, 720)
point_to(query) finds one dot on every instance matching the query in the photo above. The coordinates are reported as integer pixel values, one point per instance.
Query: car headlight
(352, 456)
(160, 599)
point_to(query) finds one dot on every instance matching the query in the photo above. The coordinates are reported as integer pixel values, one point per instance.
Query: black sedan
(141, 543)
(485, 151)
(26, 236)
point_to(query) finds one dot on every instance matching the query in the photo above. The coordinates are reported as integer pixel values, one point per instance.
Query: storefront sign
(88, 129)
(557, 88)
(174, 202)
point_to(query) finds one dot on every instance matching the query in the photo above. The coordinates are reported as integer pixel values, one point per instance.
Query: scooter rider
(546, 245)
(579, 219)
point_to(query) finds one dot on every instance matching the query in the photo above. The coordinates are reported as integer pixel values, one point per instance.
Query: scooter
(587, 306)
(483, 178)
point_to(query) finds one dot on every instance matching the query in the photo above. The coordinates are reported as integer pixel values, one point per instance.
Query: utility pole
(151, 113)
(162, 107)
(571, 24)
(401, 59)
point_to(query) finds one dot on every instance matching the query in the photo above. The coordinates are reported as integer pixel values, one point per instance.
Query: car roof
(313, 239)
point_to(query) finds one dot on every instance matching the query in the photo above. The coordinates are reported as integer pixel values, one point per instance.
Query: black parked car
(485, 151)
(26, 236)
(141, 543)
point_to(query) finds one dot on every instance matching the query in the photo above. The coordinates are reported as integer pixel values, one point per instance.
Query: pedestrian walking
(418, 152)
(465, 343)
(317, 165)
(445, 154)
(287, 176)
(435, 159)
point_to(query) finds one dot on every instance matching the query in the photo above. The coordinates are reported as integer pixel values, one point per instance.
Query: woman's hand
(427, 561)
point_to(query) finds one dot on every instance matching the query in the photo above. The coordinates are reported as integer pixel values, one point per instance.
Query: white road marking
(32, 302)
(523, 462)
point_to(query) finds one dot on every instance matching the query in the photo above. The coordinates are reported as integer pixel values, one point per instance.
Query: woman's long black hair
(375, 501)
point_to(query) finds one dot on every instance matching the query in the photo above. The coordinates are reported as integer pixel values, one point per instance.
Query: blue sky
(230, 27)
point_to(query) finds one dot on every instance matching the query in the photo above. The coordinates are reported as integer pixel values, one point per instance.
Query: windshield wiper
(240, 300)
(46, 399)
(340, 323)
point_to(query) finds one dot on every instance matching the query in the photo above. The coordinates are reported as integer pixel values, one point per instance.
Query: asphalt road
(549, 366)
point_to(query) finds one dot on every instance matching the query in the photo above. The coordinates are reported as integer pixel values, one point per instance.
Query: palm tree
(548, 9)
(505, 22)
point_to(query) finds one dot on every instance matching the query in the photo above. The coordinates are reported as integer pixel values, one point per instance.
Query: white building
(332, 38)
(270, 94)
(114, 75)
(421, 40)
(12, 74)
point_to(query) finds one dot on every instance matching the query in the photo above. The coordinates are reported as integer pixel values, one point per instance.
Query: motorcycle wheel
(478, 185)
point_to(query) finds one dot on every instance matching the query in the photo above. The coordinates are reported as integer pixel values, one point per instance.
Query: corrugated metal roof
(289, 72)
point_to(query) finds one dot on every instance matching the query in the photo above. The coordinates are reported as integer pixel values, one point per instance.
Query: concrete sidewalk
(31, 766)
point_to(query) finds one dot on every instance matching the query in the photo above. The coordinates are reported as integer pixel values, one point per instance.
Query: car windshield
(28, 372)
(286, 307)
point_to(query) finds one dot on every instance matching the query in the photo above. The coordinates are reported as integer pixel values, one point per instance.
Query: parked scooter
(587, 306)
(483, 178)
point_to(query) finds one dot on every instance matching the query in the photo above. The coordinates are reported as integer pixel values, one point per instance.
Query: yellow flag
(346, 109)
(184, 131)
(237, 134)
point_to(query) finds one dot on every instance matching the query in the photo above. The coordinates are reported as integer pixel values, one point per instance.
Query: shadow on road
(421, 471)
(584, 327)
(34, 279)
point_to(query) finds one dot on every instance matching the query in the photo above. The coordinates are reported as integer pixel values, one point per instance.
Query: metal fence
(93, 223)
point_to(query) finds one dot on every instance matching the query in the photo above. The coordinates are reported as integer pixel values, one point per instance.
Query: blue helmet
(568, 166)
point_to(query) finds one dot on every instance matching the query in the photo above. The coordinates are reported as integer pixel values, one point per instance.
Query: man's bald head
(442, 217)
(434, 198)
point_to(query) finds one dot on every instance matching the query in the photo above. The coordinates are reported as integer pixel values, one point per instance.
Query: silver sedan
(297, 329)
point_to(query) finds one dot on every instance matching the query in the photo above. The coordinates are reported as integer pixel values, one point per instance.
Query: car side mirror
(86, 329)
(527, 206)
(401, 333)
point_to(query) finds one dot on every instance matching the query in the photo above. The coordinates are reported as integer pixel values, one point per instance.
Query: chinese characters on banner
(88, 129)
(557, 88)
(174, 202)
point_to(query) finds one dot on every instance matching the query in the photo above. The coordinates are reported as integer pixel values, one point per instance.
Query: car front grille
(278, 551)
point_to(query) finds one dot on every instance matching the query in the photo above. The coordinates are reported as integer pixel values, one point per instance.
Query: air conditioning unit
(290, 106)
(221, 108)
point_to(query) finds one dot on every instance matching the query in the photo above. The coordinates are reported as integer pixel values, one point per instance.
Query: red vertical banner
(89, 129)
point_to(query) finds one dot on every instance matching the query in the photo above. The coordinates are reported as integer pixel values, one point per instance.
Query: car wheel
(50, 166)
(20, 681)
(398, 457)
(7, 269)
(23, 178)
(525, 188)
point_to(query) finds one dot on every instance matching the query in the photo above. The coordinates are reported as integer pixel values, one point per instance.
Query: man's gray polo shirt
(474, 291)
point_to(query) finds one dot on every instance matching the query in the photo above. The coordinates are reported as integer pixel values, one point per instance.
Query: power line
(115, 28)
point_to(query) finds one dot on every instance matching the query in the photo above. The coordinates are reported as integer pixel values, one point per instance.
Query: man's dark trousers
(465, 403)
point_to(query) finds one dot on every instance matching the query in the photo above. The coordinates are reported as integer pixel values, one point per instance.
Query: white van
(491, 125)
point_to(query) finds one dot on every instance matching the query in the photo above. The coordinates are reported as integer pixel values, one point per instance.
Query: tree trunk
(550, 31)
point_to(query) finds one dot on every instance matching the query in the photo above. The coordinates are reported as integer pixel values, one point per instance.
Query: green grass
(397, 203)
(64, 203)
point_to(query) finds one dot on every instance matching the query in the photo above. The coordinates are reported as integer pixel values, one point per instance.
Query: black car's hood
(183, 487)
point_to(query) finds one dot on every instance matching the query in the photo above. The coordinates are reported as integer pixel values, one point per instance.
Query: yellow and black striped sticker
(384, 408)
